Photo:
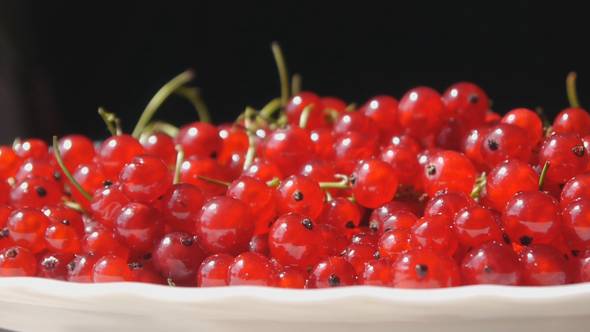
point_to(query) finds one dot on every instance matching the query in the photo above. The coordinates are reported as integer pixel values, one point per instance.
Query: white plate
(31, 304)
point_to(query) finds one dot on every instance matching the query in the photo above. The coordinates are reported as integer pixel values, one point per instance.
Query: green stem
(214, 181)
(193, 95)
(111, 120)
(251, 153)
(296, 84)
(274, 182)
(478, 186)
(159, 126)
(283, 74)
(304, 117)
(67, 173)
(159, 98)
(543, 175)
(344, 183)
(351, 107)
(572, 93)
(267, 112)
(178, 166)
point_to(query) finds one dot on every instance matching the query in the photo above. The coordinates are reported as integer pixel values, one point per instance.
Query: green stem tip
(543, 175)
(572, 93)
(66, 172)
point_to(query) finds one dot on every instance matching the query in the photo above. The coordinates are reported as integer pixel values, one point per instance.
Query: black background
(76, 56)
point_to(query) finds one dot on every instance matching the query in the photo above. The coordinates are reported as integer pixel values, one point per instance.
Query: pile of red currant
(308, 192)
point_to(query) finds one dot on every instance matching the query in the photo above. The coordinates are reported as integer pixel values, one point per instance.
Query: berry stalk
(66, 172)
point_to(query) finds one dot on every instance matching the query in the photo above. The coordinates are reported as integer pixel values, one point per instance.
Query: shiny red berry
(505, 141)
(181, 206)
(31, 148)
(145, 179)
(288, 148)
(250, 269)
(17, 262)
(450, 171)
(76, 150)
(421, 111)
(139, 226)
(528, 120)
(332, 272)
(213, 270)
(300, 194)
(54, 266)
(178, 256)
(378, 272)
(27, 229)
(299, 102)
(572, 120)
(532, 217)
(543, 265)
(162, 146)
(80, 269)
(294, 240)
(507, 179)
(467, 102)
(566, 156)
(383, 111)
(425, 269)
(116, 151)
(36, 192)
(112, 269)
(491, 263)
(199, 139)
(374, 183)
(259, 197)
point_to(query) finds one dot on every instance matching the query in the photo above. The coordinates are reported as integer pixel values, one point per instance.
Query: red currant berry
(37, 168)
(9, 162)
(394, 242)
(404, 161)
(467, 102)
(577, 187)
(80, 269)
(528, 120)
(572, 120)
(259, 244)
(491, 263)
(448, 204)
(323, 140)
(259, 197)
(576, 223)
(475, 226)
(213, 270)
(192, 168)
(299, 102)
(472, 146)
(378, 272)
(178, 257)
(263, 170)
(27, 229)
(383, 111)
(543, 265)
(224, 225)
(145, 179)
(566, 155)
(532, 217)
(341, 213)
(507, 179)
(358, 254)
(374, 183)
(139, 226)
(63, 238)
(434, 232)
(250, 269)
(288, 148)
(17, 262)
(421, 111)
(199, 139)
(112, 269)
(449, 170)
(103, 241)
(36, 192)
(354, 121)
(181, 207)
(291, 277)
(76, 150)
(332, 272)
(294, 240)
(107, 203)
(31, 148)
(351, 147)
(425, 269)
(162, 146)
(54, 266)
(116, 151)
(300, 194)
(505, 141)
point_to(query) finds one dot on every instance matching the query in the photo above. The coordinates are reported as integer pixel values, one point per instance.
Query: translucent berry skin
(404, 162)
(577, 187)
(194, 167)
(106, 204)
(383, 111)
(259, 244)
(199, 139)
(80, 269)
(421, 111)
(76, 150)
(104, 241)
(394, 242)
(528, 120)
(507, 179)
(378, 272)
(566, 155)
(573, 120)
(178, 256)
(111, 269)
(36, 192)
(213, 270)
(225, 225)
(62, 238)
(116, 151)
(145, 179)
(288, 148)
(397, 220)
(491, 263)
(31, 148)
(434, 232)
(332, 272)
(341, 213)
(475, 226)
(319, 170)
(323, 139)
(17, 262)
(300, 194)
(9, 162)
(37, 168)
(160, 145)
(381, 214)
(290, 277)
(576, 223)
(333, 240)
(354, 121)
(466, 102)
(449, 170)
(357, 254)
(472, 146)
(294, 240)
(91, 178)
(263, 170)
(181, 206)
(250, 269)
(139, 226)
(27, 229)
(447, 204)
(375, 183)
(505, 141)
(299, 102)
(54, 266)
(425, 269)
(532, 217)
(259, 197)
(351, 147)
(543, 265)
